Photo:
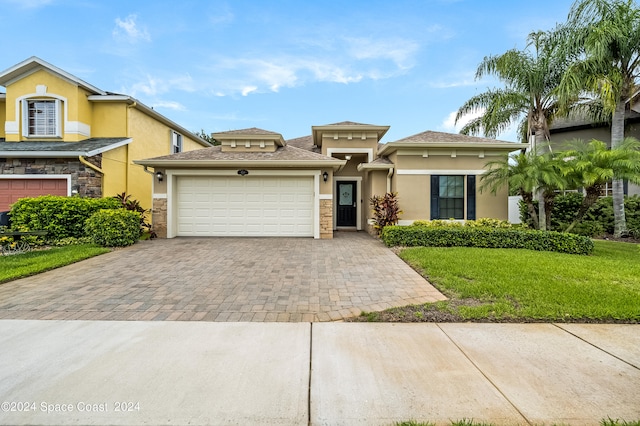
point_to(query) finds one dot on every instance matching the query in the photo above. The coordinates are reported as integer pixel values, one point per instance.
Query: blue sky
(280, 65)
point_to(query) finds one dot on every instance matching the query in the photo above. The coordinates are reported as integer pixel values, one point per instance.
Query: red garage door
(12, 189)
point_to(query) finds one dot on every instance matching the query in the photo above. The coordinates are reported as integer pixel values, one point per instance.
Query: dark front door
(347, 205)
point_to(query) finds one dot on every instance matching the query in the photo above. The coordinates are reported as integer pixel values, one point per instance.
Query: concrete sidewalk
(108, 372)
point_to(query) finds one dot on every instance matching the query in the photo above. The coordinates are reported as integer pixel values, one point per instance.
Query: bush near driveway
(425, 236)
(62, 217)
(114, 228)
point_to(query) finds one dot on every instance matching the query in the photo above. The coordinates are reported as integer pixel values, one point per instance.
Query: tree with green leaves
(591, 165)
(605, 35)
(524, 173)
(528, 98)
(207, 137)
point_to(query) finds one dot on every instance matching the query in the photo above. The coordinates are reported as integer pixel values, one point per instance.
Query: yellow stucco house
(62, 136)
(257, 184)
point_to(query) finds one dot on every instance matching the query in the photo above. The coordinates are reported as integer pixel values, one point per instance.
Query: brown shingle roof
(283, 153)
(442, 137)
(304, 142)
(250, 131)
(382, 161)
(348, 123)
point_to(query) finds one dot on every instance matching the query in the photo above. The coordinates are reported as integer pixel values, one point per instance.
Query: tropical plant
(133, 205)
(524, 173)
(591, 165)
(385, 210)
(606, 35)
(531, 78)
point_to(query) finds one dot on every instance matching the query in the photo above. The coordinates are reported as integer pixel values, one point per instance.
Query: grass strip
(26, 264)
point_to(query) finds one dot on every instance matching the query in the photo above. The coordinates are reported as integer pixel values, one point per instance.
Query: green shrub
(129, 203)
(484, 222)
(114, 228)
(62, 217)
(437, 223)
(598, 219)
(487, 222)
(412, 236)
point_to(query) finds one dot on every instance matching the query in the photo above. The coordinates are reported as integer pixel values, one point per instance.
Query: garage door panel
(246, 206)
(12, 189)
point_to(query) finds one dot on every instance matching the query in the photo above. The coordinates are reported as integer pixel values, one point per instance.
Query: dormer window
(176, 142)
(41, 118)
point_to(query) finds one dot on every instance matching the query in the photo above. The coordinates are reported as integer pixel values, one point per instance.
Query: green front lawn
(32, 263)
(524, 285)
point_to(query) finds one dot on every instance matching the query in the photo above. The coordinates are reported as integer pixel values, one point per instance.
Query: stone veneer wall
(85, 180)
(326, 219)
(159, 217)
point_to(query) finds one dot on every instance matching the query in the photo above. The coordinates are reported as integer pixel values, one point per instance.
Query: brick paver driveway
(223, 279)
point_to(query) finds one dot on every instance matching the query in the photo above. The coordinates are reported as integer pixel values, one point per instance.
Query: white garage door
(244, 206)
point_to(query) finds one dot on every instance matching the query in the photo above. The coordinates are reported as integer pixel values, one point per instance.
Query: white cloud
(129, 31)
(248, 89)
(152, 86)
(456, 79)
(345, 63)
(176, 106)
(449, 124)
(399, 51)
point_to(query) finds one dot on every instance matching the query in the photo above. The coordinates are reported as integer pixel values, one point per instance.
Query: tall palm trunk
(617, 135)
(527, 198)
(591, 197)
(541, 147)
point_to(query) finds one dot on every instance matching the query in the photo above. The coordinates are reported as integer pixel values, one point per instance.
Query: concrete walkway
(111, 372)
(224, 279)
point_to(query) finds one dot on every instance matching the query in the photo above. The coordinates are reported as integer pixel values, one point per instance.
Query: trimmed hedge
(63, 217)
(114, 228)
(412, 236)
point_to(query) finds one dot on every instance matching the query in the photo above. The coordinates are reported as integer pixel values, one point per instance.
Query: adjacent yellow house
(64, 136)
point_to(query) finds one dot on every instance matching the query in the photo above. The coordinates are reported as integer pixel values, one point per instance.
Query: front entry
(347, 204)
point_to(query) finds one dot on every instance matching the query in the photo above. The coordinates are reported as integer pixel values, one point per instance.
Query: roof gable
(249, 131)
(431, 139)
(33, 64)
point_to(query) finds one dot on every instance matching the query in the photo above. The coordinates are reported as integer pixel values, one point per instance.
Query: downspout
(389, 179)
(126, 175)
(93, 167)
(88, 164)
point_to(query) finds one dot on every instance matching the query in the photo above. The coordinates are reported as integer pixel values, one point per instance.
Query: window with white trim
(41, 118)
(176, 142)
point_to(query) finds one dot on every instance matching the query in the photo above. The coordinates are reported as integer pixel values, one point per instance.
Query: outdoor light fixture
(348, 157)
(159, 175)
(243, 172)
(325, 176)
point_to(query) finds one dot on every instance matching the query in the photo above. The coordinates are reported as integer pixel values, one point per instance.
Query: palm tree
(528, 97)
(526, 172)
(592, 165)
(607, 33)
